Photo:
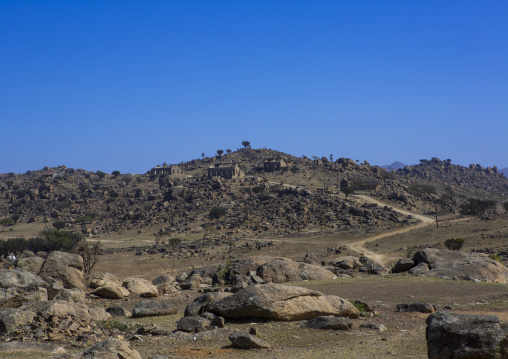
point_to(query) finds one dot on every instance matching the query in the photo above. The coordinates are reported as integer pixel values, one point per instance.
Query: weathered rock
(151, 308)
(251, 264)
(416, 307)
(419, 269)
(58, 308)
(30, 264)
(19, 286)
(118, 311)
(112, 292)
(141, 287)
(193, 324)
(66, 267)
(462, 265)
(280, 302)
(27, 347)
(113, 348)
(72, 295)
(105, 279)
(285, 270)
(403, 265)
(463, 336)
(328, 322)
(167, 289)
(247, 341)
(200, 304)
(165, 278)
(374, 326)
(12, 320)
(192, 282)
(346, 262)
(181, 277)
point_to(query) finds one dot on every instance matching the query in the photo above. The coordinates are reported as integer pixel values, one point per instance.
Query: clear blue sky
(125, 85)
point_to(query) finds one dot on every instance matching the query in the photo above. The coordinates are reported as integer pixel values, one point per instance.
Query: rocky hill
(304, 196)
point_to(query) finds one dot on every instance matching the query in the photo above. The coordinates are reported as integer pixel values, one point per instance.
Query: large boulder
(403, 265)
(285, 270)
(61, 309)
(103, 279)
(30, 264)
(112, 348)
(247, 341)
(328, 322)
(461, 265)
(141, 287)
(151, 308)
(281, 302)
(12, 320)
(193, 324)
(346, 262)
(112, 292)
(200, 304)
(464, 336)
(19, 286)
(66, 267)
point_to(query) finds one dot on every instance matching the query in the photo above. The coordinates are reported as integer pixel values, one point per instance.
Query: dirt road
(359, 246)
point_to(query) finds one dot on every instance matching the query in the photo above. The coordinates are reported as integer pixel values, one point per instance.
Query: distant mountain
(394, 166)
(504, 171)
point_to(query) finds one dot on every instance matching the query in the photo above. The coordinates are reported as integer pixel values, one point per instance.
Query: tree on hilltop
(220, 152)
(246, 144)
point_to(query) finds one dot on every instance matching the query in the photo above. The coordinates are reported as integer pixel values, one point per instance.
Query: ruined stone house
(273, 165)
(360, 184)
(225, 170)
(164, 170)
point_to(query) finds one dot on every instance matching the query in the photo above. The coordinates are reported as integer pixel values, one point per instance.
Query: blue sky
(125, 85)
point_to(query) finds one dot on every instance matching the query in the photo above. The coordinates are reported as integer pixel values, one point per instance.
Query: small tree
(90, 254)
(174, 242)
(203, 155)
(100, 174)
(216, 213)
(115, 173)
(294, 170)
(220, 152)
(246, 144)
(208, 229)
(331, 157)
(454, 244)
(228, 151)
(158, 235)
(6, 222)
(347, 191)
(59, 225)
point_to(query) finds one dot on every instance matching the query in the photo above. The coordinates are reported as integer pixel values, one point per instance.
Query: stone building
(171, 170)
(273, 165)
(360, 184)
(225, 170)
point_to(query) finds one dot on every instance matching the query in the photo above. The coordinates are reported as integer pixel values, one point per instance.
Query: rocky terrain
(288, 267)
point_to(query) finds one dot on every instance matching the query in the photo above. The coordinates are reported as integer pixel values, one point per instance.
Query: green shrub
(100, 174)
(217, 212)
(59, 224)
(454, 244)
(84, 219)
(476, 207)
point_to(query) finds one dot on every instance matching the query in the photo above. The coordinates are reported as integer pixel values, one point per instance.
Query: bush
(6, 222)
(59, 225)
(100, 174)
(84, 219)
(49, 241)
(347, 191)
(217, 212)
(476, 207)
(422, 188)
(115, 173)
(454, 244)
(505, 205)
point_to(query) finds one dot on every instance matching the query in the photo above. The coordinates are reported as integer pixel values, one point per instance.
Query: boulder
(151, 308)
(72, 295)
(281, 302)
(165, 278)
(30, 264)
(328, 322)
(167, 289)
(12, 320)
(112, 292)
(419, 269)
(193, 324)
(464, 336)
(461, 265)
(112, 348)
(247, 341)
(141, 287)
(346, 262)
(104, 279)
(247, 265)
(19, 286)
(200, 304)
(66, 267)
(403, 265)
(192, 282)
(416, 307)
(118, 311)
(374, 326)
(59, 308)
(285, 270)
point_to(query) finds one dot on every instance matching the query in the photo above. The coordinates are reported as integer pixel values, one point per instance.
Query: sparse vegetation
(217, 213)
(454, 244)
(6, 222)
(422, 188)
(476, 207)
(347, 191)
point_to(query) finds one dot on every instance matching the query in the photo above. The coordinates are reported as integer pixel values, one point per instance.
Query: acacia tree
(220, 152)
(245, 144)
(6, 222)
(228, 151)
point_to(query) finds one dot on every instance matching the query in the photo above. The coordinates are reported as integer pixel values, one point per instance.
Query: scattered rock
(66, 267)
(403, 265)
(105, 279)
(193, 324)
(374, 326)
(328, 322)
(118, 311)
(284, 270)
(140, 287)
(112, 292)
(150, 308)
(247, 341)
(112, 348)
(416, 307)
